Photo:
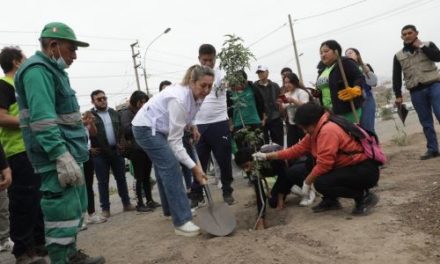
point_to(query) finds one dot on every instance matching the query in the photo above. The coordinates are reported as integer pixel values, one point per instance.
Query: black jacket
(336, 83)
(100, 140)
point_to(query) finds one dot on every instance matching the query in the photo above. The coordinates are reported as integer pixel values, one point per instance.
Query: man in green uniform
(55, 139)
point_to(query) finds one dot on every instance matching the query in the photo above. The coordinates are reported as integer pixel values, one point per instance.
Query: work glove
(259, 156)
(349, 93)
(69, 172)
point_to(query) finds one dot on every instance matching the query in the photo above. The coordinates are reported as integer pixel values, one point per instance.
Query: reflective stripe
(60, 240)
(65, 119)
(69, 119)
(42, 124)
(62, 224)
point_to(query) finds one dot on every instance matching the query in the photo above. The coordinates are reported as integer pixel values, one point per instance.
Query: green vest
(11, 138)
(68, 121)
(417, 68)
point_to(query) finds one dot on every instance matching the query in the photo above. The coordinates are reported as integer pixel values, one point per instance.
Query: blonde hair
(196, 72)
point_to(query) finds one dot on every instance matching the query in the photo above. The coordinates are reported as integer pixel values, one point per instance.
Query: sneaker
(144, 209)
(364, 205)
(189, 229)
(81, 258)
(152, 204)
(96, 219)
(429, 155)
(196, 199)
(6, 245)
(306, 201)
(83, 226)
(228, 199)
(194, 212)
(129, 207)
(297, 190)
(28, 259)
(327, 204)
(41, 251)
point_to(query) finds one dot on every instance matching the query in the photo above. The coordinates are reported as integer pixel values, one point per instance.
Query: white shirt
(108, 126)
(214, 108)
(297, 94)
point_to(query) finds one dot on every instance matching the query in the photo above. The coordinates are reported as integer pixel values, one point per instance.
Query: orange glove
(349, 93)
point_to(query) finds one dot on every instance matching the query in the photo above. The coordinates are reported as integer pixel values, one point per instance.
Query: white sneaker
(96, 219)
(7, 245)
(83, 226)
(194, 211)
(296, 190)
(306, 201)
(189, 229)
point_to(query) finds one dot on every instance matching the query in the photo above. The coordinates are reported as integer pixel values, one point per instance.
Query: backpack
(367, 139)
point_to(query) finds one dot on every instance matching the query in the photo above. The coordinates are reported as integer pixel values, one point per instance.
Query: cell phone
(283, 98)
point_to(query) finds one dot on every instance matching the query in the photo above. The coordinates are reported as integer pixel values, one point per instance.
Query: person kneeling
(335, 173)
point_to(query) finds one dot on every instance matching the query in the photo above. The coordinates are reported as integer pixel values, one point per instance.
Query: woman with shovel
(158, 128)
(339, 82)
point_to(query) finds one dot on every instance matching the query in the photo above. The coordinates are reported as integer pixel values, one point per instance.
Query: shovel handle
(205, 186)
(344, 78)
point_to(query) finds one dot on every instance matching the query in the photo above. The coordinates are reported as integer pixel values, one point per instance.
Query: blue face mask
(61, 63)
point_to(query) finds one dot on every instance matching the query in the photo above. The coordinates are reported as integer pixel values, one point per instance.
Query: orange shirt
(324, 145)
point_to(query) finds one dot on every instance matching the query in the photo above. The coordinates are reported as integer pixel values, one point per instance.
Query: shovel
(216, 218)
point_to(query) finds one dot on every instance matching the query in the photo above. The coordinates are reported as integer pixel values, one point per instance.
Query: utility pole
(135, 64)
(298, 66)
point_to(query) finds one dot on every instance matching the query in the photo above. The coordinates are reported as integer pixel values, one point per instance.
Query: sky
(110, 26)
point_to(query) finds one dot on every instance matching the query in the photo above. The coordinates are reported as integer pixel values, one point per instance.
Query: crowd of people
(50, 152)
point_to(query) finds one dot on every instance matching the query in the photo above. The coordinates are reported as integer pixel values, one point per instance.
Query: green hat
(60, 30)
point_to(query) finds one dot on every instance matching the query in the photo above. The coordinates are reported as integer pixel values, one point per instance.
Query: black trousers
(26, 217)
(142, 169)
(348, 182)
(287, 177)
(273, 129)
(89, 173)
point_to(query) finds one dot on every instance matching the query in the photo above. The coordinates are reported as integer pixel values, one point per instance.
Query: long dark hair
(308, 114)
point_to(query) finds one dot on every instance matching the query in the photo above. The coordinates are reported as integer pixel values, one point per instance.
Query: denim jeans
(368, 113)
(425, 102)
(168, 174)
(103, 163)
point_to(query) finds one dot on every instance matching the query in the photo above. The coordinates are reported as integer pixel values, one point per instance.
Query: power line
(329, 11)
(267, 35)
(376, 18)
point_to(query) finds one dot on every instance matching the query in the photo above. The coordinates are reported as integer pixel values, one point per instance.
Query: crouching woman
(334, 174)
(158, 129)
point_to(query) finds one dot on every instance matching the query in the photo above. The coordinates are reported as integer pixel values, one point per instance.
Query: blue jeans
(168, 174)
(425, 102)
(103, 163)
(368, 113)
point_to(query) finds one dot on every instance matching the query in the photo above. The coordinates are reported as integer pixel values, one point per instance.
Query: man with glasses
(106, 146)
(55, 140)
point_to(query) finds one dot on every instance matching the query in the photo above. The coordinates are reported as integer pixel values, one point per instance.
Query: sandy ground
(404, 227)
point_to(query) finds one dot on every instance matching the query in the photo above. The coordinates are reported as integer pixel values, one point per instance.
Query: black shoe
(143, 209)
(152, 204)
(196, 198)
(327, 204)
(429, 155)
(81, 258)
(363, 206)
(228, 199)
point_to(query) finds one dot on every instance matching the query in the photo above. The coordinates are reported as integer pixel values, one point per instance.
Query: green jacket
(11, 138)
(49, 113)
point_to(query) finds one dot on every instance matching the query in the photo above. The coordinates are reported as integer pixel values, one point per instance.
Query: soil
(404, 227)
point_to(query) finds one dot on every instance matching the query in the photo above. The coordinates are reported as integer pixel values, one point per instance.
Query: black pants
(294, 175)
(215, 137)
(275, 129)
(26, 217)
(89, 173)
(142, 169)
(294, 134)
(348, 182)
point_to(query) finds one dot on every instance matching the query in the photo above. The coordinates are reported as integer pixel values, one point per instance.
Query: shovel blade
(216, 219)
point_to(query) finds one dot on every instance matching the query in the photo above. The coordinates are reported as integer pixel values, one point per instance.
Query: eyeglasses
(99, 99)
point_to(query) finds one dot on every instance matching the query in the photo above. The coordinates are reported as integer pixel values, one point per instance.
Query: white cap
(261, 68)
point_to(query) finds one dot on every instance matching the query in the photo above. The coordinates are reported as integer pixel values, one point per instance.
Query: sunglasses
(99, 99)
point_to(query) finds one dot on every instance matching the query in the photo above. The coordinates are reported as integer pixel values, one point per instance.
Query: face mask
(60, 61)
